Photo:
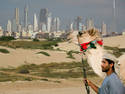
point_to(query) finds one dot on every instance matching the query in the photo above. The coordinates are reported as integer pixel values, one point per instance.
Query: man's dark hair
(111, 62)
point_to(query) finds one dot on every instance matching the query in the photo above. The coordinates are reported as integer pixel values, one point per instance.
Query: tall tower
(9, 26)
(79, 23)
(17, 15)
(104, 29)
(25, 17)
(43, 17)
(55, 24)
(35, 23)
(49, 22)
(89, 24)
(114, 17)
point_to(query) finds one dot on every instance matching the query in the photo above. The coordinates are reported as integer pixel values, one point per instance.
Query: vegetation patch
(52, 70)
(4, 51)
(29, 44)
(70, 54)
(44, 53)
(115, 50)
(36, 40)
(6, 38)
(6, 77)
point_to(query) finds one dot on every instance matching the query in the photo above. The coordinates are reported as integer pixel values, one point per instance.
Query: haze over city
(67, 10)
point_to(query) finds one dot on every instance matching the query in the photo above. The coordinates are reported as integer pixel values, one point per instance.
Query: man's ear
(111, 65)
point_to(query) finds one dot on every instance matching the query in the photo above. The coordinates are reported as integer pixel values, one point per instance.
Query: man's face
(105, 66)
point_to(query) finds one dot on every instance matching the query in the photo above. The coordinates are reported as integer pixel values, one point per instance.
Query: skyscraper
(17, 15)
(14, 26)
(114, 17)
(43, 17)
(35, 23)
(49, 22)
(79, 23)
(55, 24)
(104, 29)
(89, 24)
(9, 26)
(25, 17)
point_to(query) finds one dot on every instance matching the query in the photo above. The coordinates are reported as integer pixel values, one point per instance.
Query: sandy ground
(21, 56)
(116, 41)
(42, 87)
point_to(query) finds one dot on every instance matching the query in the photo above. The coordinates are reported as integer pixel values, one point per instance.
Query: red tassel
(100, 42)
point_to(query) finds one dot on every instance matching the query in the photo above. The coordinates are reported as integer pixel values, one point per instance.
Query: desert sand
(21, 56)
(42, 87)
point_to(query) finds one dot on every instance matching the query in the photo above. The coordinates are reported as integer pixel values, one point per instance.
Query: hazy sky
(67, 10)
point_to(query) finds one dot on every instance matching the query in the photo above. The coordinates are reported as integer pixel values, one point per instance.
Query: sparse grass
(70, 54)
(52, 70)
(44, 53)
(29, 44)
(4, 51)
(36, 40)
(116, 51)
(6, 77)
(6, 38)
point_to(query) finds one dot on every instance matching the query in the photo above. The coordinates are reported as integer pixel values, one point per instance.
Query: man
(111, 83)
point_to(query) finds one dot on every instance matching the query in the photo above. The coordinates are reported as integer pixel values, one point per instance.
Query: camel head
(84, 36)
(88, 36)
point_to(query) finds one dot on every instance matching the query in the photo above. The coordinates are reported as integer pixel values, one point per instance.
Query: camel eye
(80, 33)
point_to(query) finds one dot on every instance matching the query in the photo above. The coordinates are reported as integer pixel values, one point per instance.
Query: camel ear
(92, 32)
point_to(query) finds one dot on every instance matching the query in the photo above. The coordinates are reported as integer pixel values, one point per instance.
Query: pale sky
(67, 10)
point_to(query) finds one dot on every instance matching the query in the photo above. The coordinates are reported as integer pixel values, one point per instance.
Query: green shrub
(4, 51)
(70, 55)
(36, 39)
(6, 38)
(28, 79)
(116, 51)
(44, 53)
(24, 71)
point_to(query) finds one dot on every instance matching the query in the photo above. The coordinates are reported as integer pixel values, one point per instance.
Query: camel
(92, 46)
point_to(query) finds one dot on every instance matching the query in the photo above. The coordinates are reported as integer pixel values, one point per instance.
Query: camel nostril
(80, 33)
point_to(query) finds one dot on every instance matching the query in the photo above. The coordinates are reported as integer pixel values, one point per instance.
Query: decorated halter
(89, 45)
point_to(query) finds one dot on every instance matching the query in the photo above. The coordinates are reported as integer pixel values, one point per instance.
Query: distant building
(43, 18)
(6, 33)
(104, 29)
(89, 24)
(49, 20)
(79, 23)
(26, 17)
(1, 31)
(42, 35)
(14, 26)
(9, 26)
(30, 28)
(17, 16)
(35, 23)
(56, 24)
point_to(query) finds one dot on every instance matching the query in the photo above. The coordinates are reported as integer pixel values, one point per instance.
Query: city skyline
(67, 10)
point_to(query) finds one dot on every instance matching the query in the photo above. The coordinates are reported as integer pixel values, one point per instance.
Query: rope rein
(84, 71)
(84, 48)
